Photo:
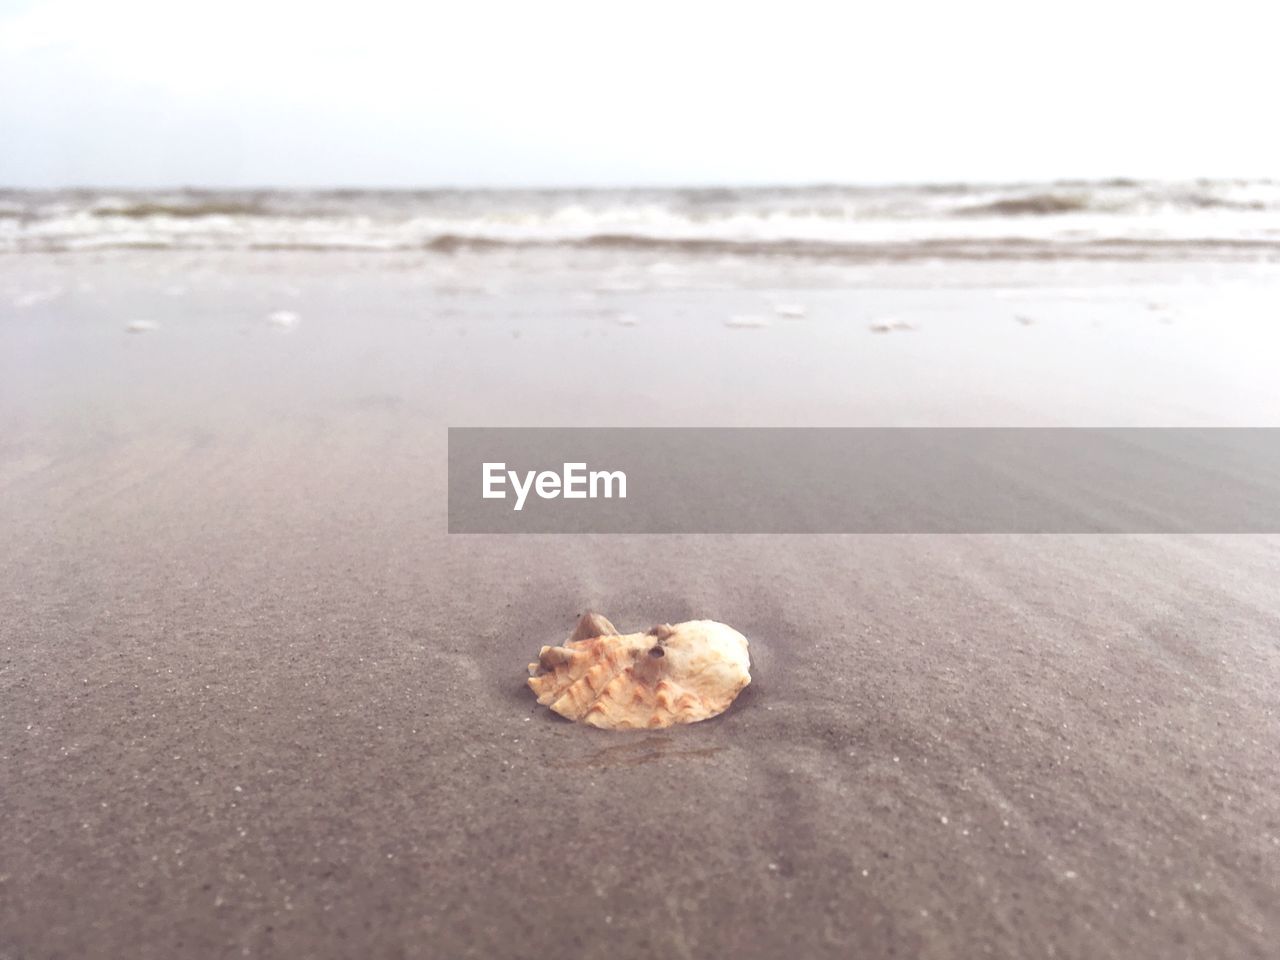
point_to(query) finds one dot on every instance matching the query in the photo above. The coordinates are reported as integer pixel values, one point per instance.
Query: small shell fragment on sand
(667, 675)
(890, 324)
(32, 297)
(283, 318)
(746, 321)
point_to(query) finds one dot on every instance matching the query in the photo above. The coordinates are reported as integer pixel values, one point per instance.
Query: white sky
(559, 92)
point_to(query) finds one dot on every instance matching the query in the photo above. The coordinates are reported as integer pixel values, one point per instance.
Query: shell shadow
(635, 753)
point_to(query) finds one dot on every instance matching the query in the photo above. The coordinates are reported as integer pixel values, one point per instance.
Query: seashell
(747, 321)
(890, 324)
(669, 675)
(791, 311)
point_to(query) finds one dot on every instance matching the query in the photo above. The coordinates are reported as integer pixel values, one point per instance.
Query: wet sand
(256, 702)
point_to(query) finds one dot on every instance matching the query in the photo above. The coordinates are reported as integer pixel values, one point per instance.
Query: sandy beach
(255, 701)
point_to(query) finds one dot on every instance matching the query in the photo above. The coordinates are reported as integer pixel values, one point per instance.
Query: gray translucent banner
(721, 480)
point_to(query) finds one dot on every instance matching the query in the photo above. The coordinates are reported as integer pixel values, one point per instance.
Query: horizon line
(690, 186)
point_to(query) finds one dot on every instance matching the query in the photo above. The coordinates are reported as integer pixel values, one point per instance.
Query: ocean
(1229, 220)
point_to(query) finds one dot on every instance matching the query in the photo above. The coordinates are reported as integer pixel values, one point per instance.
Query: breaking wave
(1068, 218)
(1035, 204)
(147, 210)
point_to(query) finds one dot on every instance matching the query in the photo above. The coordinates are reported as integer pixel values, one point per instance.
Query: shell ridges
(668, 675)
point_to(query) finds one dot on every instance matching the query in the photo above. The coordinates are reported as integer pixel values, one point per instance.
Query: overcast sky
(559, 92)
